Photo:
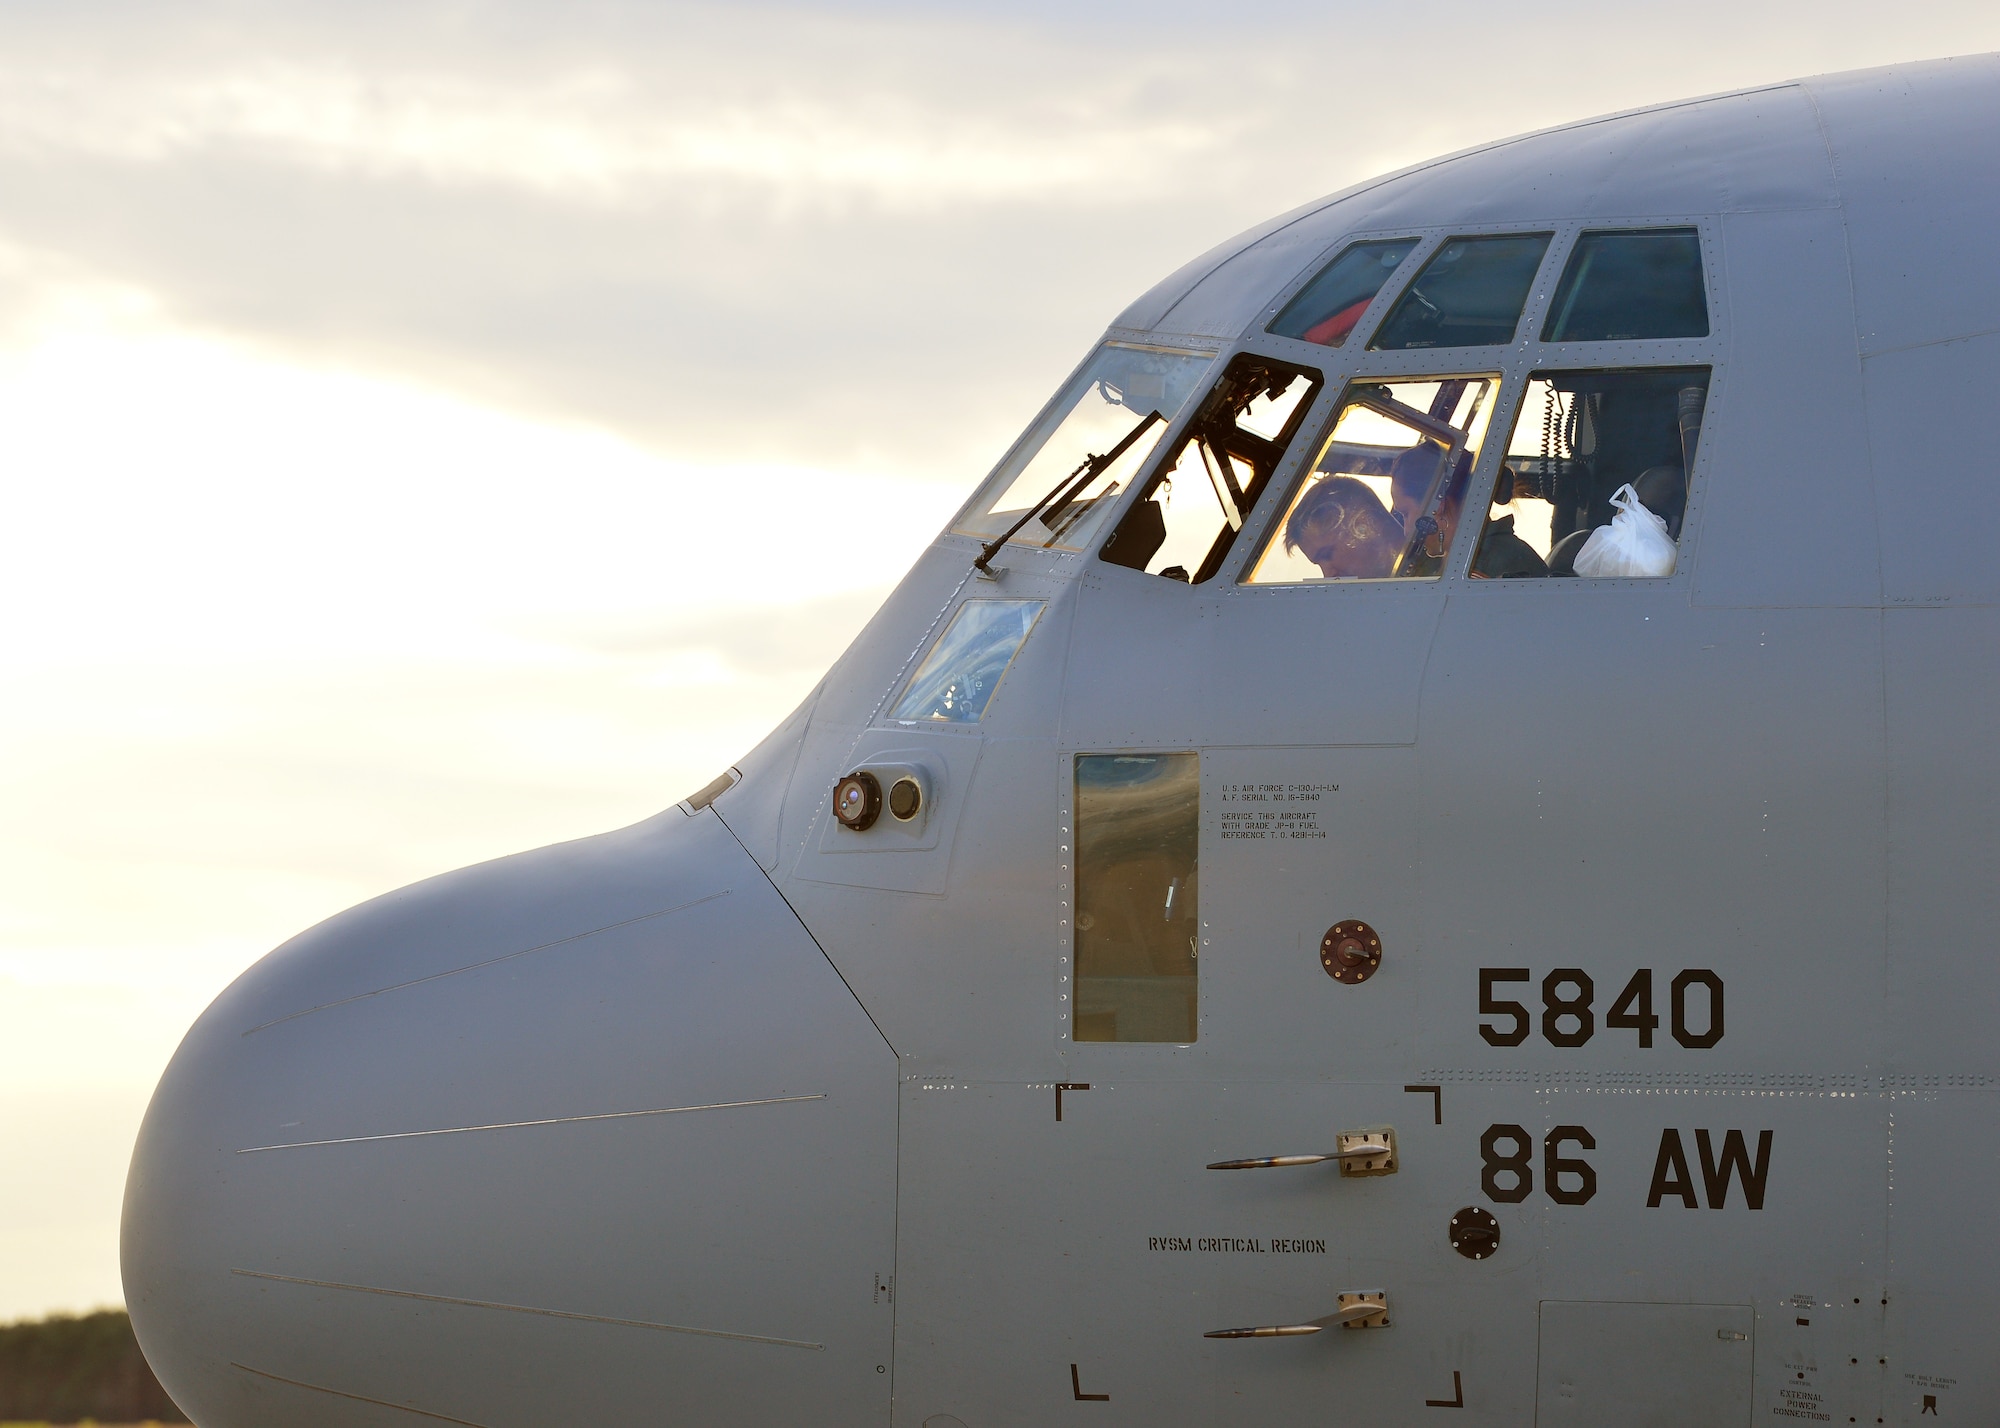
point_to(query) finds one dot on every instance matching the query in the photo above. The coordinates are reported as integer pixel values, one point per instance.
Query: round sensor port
(906, 797)
(857, 801)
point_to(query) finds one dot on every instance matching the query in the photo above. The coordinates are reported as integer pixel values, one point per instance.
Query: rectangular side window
(1138, 917)
(1629, 286)
(1383, 500)
(1469, 294)
(1128, 395)
(1327, 308)
(1595, 480)
(1199, 499)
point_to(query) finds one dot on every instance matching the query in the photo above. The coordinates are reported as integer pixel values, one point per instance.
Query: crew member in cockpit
(1342, 527)
(1410, 478)
(1503, 555)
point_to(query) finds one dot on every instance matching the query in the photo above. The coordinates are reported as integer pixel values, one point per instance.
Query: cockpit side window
(957, 678)
(1201, 494)
(1595, 478)
(1327, 308)
(1383, 500)
(1119, 408)
(1630, 285)
(1469, 294)
(1138, 915)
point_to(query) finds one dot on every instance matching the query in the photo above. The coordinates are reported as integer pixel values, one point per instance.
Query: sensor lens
(906, 796)
(857, 801)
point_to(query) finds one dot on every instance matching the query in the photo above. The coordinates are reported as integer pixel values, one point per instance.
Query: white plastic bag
(1636, 542)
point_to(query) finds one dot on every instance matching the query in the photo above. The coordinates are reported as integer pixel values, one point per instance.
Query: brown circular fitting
(1475, 1233)
(857, 800)
(1350, 952)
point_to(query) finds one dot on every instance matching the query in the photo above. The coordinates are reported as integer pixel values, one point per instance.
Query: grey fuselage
(739, 1116)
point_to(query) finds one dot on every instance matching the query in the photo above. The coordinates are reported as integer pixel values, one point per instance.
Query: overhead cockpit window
(1327, 308)
(956, 681)
(1138, 919)
(1118, 409)
(1469, 294)
(1627, 286)
(1383, 500)
(1198, 500)
(1595, 478)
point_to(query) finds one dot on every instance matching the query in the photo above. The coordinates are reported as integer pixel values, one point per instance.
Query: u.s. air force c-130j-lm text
(1422, 851)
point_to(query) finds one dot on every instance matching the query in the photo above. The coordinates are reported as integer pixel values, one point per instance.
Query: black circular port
(857, 800)
(906, 796)
(1475, 1233)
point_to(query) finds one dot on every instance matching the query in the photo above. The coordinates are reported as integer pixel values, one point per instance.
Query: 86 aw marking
(1508, 1179)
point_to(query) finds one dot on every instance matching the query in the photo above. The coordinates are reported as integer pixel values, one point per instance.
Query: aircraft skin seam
(1074, 597)
(896, 1191)
(525, 1309)
(1868, 354)
(489, 962)
(356, 1397)
(814, 940)
(1838, 171)
(524, 1125)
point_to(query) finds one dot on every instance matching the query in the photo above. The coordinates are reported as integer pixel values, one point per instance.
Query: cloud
(635, 105)
(861, 235)
(599, 136)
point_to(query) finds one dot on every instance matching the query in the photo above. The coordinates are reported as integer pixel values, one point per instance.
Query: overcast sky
(422, 424)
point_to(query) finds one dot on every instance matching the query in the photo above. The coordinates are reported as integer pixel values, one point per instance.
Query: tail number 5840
(1568, 1020)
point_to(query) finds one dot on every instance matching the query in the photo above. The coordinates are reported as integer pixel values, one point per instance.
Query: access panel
(1644, 1365)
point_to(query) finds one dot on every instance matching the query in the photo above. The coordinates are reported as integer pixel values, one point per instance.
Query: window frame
(1515, 362)
(1069, 972)
(1167, 453)
(1049, 416)
(1270, 529)
(1423, 243)
(1428, 240)
(1064, 931)
(1534, 300)
(901, 690)
(1513, 410)
(1595, 230)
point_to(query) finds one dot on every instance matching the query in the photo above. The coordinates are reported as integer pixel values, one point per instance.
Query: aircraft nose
(594, 1131)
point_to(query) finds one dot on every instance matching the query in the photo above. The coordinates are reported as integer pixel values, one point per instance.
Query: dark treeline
(65, 1369)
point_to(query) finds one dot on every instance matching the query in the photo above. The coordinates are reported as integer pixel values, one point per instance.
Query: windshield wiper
(1065, 491)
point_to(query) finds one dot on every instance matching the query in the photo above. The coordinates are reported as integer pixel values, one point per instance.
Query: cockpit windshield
(1228, 452)
(1123, 387)
(1327, 308)
(1384, 498)
(1596, 456)
(1469, 294)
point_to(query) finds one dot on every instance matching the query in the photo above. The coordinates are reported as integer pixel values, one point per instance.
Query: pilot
(1342, 527)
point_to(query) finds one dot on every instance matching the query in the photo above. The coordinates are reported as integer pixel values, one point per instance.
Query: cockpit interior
(1593, 479)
